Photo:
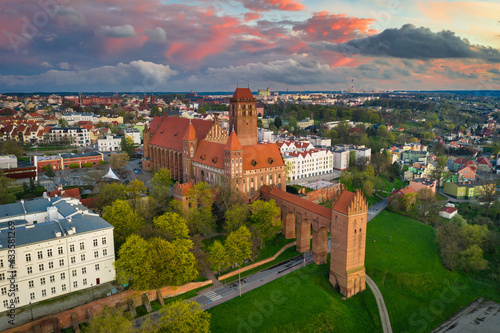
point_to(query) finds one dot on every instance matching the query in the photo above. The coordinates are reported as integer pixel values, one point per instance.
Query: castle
(201, 150)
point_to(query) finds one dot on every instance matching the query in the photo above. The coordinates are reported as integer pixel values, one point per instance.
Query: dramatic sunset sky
(213, 45)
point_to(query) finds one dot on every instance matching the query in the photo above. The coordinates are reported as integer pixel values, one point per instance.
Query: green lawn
(302, 301)
(402, 257)
(440, 197)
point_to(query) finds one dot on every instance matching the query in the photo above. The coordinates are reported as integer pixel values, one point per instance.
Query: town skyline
(109, 45)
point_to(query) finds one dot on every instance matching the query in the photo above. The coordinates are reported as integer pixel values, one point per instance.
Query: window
(72, 248)
(75, 284)
(1, 263)
(73, 272)
(103, 241)
(96, 254)
(5, 303)
(28, 257)
(95, 242)
(63, 287)
(52, 278)
(4, 291)
(2, 276)
(40, 255)
(73, 260)
(105, 252)
(82, 257)
(61, 262)
(42, 281)
(40, 268)
(82, 246)
(44, 292)
(51, 265)
(84, 282)
(63, 276)
(53, 290)
(29, 270)
(49, 253)
(96, 267)
(31, 284)
(32, 296)
(60, 250)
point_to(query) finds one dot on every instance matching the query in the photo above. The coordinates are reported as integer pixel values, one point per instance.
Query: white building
(264, 135)
(308, 163)
(134, 133)
(75, 136)
(292, 146)
(110, 143)
(340, 159)
(60, 247)
(73, 118)
(363, 153)
(8, 162)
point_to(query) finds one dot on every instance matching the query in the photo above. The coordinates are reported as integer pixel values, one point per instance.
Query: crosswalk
(213, 296)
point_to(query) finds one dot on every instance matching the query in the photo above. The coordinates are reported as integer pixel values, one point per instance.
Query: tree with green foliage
(265, 216)
(155, 111)
(74, 166)
(63, 123)
(5, 195)
(488, 196)
(235, 216)
(111, 320)
(135, 190)
(127, 145)
(173, 225)
(87, 165)
(160, 187)
(439, 170)
(108, 193)
(121, 216)
(49, 171)
(183, 317)
(277, 122)
(119, 161)
(200, 218)
(11, 147)
(155, 263)
(368, 188)
(218, 256)
(239, 246)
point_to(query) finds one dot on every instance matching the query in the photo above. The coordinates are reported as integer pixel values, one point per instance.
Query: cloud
(63, 65)
(134, 76)
(45, 64)
(267, 5)
(334, 28)
(122, 31)
(252, 16)
(410, 42)
(494, 71)
(157, 35)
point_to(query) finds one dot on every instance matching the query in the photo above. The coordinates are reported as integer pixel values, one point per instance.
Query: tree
(74, 166)
(218, 256)
(5, 195)
(235, 217)
(111, 320)
(108, 193)
(368, 188)
(488, 195)
(160, 187)
(127, 145)
(472, 258)
(121, 216)
(11, 147)
(183, 317)
(200, 218)
(239, 246)
(277, 122)
(87, 165)
(136, 189)
(118, 161)
(438, 172)
(63, 123)
(155, 111)
(265, 216)
(49, 171)
(425, 199)
(174, 225)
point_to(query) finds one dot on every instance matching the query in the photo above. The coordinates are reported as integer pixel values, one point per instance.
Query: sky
(216, 45)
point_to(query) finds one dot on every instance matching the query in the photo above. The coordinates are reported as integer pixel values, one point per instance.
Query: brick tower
(189, 145)
(243, 116)
(233, 159)
(347, 263)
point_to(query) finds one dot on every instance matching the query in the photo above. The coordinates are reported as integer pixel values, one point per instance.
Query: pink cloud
(252, 16)
(267, 5)
(333, 28)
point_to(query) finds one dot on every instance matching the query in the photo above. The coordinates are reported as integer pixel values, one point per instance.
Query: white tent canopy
(111, 175)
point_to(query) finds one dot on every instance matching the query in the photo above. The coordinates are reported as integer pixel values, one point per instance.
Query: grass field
(302, 301)
(403, 259)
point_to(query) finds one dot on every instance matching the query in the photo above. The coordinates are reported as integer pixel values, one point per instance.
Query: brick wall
(118, 300)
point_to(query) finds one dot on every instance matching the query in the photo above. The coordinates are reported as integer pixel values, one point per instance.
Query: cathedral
(201, 150)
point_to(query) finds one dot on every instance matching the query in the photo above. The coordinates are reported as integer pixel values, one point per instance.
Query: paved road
(377, 208)
(384, 315)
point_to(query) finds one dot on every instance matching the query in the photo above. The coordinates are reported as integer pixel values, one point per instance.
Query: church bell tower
(243, 116)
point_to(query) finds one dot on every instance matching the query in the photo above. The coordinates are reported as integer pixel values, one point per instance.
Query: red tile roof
(233, 143)
(262, 156)
(170, 132)
(190, 134)
(155, 123)
(311, 206)
(210, 153)
(69, 193)
(243, 93)
(343, 202)
(449, 210)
